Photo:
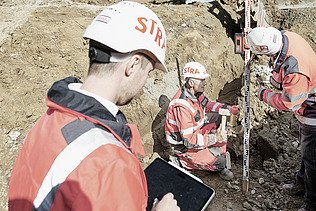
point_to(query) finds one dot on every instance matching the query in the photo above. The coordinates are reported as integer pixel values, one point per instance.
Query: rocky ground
(41, 42)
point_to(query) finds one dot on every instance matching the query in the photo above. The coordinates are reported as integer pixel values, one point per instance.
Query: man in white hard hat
(294, 73)
(82, 154)
(194, 136)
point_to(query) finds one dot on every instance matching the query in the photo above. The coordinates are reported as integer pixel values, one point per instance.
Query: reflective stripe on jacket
(294, 72)
(78, 157)
(184, 120)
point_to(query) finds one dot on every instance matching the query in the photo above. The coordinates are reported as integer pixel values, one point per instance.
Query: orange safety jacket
(78, 157)
(184, 124)
(294, 72)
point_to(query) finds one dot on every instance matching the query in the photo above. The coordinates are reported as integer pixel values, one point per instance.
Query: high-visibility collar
(187, 94)
(60, 97)
(276, 62)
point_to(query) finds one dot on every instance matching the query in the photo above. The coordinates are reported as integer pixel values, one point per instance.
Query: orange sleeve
(294, 93)
(114, 182)
(210, 106)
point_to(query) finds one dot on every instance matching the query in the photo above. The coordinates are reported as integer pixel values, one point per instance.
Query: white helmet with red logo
(264, 40)
(194, 70)
(129, 26)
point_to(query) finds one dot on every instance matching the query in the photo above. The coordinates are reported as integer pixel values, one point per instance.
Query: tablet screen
(190, 193)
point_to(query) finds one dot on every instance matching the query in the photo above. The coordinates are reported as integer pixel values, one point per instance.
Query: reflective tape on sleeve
(68, 160)
(306, 120)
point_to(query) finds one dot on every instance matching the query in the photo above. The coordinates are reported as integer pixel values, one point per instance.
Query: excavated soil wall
(41, 42)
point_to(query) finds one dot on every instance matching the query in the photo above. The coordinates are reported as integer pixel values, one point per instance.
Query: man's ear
(191, 83)
(132, 64)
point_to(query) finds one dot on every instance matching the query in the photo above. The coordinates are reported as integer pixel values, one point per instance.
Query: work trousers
(307, 172)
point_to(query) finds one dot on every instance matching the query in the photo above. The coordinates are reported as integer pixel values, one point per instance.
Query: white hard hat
(264, 40)
(194, 70)
(129, 26)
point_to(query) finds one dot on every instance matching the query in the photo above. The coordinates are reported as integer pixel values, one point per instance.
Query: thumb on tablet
(166, 203)
(170, 195)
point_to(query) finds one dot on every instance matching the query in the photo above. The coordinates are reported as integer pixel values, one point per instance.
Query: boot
(294, 189)
(226, 174)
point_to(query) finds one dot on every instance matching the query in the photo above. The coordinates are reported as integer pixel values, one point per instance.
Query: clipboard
(189, 191)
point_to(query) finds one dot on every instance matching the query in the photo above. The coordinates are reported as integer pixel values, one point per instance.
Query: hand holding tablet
(189, 191)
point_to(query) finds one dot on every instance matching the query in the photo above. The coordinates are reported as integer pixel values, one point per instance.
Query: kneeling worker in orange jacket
(82, 154)
(189, 128)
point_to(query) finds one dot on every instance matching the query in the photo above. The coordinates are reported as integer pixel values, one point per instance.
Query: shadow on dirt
(225, 18)
(231, 92)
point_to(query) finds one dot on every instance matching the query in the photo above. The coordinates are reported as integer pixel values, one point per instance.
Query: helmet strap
(99, 53)
(98, 56)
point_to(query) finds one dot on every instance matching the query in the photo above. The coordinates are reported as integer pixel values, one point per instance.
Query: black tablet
(189, 191)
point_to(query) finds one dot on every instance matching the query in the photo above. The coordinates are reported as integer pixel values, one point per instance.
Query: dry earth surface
(41, 42)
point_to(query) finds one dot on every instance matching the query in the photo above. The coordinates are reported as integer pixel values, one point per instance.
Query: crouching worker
(191, 125)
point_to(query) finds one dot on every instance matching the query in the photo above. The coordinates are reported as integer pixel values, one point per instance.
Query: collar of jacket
(186, 94)
(282, 57)
(63, 98)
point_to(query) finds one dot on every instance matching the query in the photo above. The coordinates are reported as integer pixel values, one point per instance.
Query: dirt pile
(46, 45)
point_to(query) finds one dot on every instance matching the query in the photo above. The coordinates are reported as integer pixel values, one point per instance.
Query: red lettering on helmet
(158, 36)
(163, 44)
(144, 28)
(191, 70)
(153, 24)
